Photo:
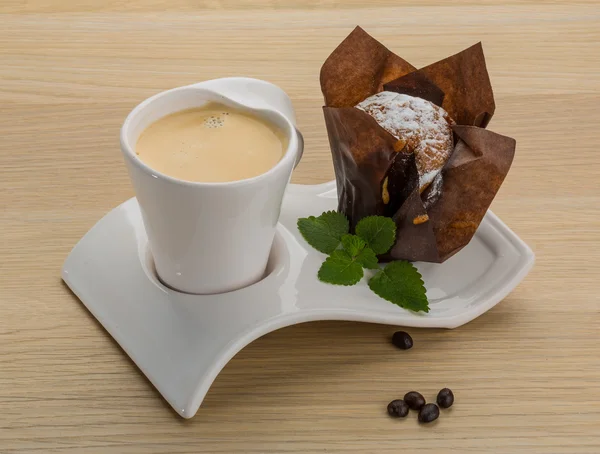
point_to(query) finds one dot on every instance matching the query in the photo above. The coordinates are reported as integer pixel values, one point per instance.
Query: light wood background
(526, 375)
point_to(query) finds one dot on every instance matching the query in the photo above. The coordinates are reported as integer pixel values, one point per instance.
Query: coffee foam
(216, 121)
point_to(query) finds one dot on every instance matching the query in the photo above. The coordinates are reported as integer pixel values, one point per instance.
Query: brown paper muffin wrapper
(377, 175)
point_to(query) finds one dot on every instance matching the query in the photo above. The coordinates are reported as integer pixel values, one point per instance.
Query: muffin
(425, 127)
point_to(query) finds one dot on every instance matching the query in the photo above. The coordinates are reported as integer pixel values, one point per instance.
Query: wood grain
(526, 375)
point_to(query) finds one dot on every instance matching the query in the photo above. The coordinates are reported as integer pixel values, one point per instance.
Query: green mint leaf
(324, 233)
(358, 250)
(340, 269)
(378, 232)
(353, 244)
(401, 283)
(367, 259)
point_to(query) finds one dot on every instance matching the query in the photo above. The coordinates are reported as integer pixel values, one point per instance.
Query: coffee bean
(428, 413)
(402, 340)
(445, 398)
(414, 400)
(397, 408)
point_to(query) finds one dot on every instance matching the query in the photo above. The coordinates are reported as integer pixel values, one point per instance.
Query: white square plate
(181, 341)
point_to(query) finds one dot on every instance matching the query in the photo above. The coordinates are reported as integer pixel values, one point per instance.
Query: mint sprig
(398, 282)
(378, 232)
(324, 233)
(340, 268)
(357, 248)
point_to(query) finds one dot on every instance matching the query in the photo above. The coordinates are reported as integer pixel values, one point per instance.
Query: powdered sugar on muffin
(426, 128)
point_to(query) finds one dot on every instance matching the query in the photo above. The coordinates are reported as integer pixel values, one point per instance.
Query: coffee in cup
(212, 143)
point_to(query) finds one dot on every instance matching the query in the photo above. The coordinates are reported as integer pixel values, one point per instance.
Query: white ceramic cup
(212, 237)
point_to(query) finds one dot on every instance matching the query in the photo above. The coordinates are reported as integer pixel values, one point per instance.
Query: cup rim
(289, 155)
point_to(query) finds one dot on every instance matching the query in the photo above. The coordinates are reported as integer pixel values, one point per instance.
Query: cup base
(277, 259)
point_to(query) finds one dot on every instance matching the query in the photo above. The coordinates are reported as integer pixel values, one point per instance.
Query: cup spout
(253, 93)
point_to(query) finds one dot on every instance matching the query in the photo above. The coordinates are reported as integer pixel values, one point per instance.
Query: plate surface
(181, 341)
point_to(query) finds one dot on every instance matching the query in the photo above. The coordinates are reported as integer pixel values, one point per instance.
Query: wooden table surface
(526, 375)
